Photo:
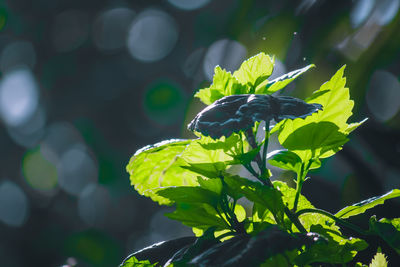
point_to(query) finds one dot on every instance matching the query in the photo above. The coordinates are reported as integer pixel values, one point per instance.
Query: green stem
(336, 219)
(223, 219)
(299, 186)
(265, 149)
(295, 220)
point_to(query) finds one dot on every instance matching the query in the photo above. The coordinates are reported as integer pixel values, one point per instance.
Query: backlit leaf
(285, 159)
(158, 166)
(307, 219)
(255, 70)
(379, 260)
(224, 84)
(323, 133)
(362, 206)
(282, 81)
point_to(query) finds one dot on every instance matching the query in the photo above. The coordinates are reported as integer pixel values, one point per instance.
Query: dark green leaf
(388, 230)
(214, 185)
(282, 81)
(362, 206)
(258, 193)
(338, 249)
(188, 194)
(244, 250)
(158, 253)
(248, 157)
(285, 159)
(201, 216)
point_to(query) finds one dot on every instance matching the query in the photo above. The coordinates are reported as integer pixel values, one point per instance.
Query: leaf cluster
(253, 221)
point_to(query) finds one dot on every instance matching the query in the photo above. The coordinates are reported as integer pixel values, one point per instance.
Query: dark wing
(239, 112)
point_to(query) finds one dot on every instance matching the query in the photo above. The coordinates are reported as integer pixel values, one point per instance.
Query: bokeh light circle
(14, 204)
(164, 102)
(70, 30)
(226, 53)
(360, 12)
(76, 169)
(19, 96)
(93, 204)
(188, 4)
(152, 36)
(17, 54)
(383, 95)
(39, 172)
(111, 27)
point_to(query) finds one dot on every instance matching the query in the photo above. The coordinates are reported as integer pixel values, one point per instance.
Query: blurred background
(84, 84)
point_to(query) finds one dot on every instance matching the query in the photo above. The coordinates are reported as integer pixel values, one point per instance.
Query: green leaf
(159, 165)
(258, 193)
(214, 185)
(199, 216)
(312, 140)
(323, 133)
(255, 70)
(282, 81)
(133, 262)
(201, 151)
(223, 84)
(388, 230)
(337, 250)
(247, 157)
(187, 194)
(210, 170)
(285, 159)
(362, 206)
(379, 260)
(307, 219)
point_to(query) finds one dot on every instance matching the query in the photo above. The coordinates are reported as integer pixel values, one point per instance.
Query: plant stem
(295, 220)
(336, 219)
(265, 149)
(299, 186)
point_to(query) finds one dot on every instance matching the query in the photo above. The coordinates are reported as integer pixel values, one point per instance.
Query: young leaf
(388, 230)
(224, 84)
(282, 81)
(379, 260)
(158, 166)
(255, 70)
(133, 262)
(362, 206)
(323, 133)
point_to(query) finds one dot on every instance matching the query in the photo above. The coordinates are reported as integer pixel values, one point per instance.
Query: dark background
(84, 84)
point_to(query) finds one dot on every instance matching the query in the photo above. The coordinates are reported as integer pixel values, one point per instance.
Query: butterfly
(239, 112)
